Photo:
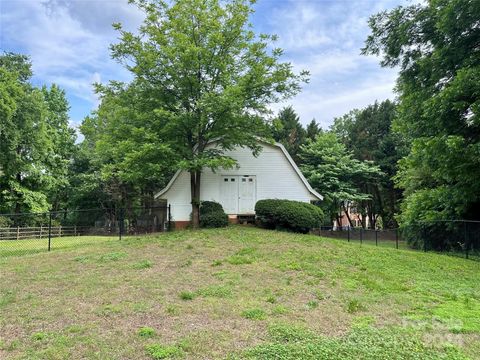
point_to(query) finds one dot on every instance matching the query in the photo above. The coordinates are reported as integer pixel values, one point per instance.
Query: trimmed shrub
(212, 215)
(213, 219)
(209, 207)
(288, 215)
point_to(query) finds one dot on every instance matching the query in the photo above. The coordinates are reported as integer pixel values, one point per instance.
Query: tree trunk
(195, 194)
(345, 210)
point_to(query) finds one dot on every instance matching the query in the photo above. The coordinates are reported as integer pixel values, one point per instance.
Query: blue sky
(68, 41)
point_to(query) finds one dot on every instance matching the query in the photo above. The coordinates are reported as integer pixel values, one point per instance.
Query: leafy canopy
(436, 47)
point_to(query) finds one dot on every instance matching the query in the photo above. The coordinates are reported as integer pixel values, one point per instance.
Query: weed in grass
(319, 295)
(280, 310)
(217, 263)
(187, 295)
(115, 256)
(82, 258)
(271, 299)
(354, 306)
(189, 247)
(109, 310)
(172, 310)
(7, 297)
(140, 307)
(239, 260)
(146, 332)
(39, 336)
(186, 264)
(144, 264)
(289, 333)
(218, 291)
(243, 256)
(15, 344)
(158, 351)
(312, 304)
(254, 314)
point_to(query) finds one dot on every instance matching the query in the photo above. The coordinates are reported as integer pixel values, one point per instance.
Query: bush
(212, 215)
(207, 207)
(213, 219)
(288, 214)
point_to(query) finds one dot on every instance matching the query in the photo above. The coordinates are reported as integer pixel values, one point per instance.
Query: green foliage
(287, 214)
(360, 343)
(368, 134)
(333, 171)
(158, 351)
(214, 219)
(209, 207)
(254, 314)
(288, 130)
(36, 142)
(212, 215)
(187, 295)
(200, 75)
(435, 47)
(146, 332)
(144, 264)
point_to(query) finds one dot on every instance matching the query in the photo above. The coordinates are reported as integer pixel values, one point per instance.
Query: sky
(68, 42)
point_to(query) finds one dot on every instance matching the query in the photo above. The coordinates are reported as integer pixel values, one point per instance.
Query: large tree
(288, 130)
(212, 77)
(35, 140)
(333, 171)
(368, 133)
(436, 46)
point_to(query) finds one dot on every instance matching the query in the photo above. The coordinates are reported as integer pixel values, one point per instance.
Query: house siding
(275, 179)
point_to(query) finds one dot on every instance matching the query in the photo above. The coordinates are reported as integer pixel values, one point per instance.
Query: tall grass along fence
(454, 237)
(27, 233)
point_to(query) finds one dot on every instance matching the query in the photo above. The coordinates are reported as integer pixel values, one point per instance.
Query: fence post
(18, 233)
(424, 240)
(169, 217)
(467, 245)
(376, 237)
(120, 224)
(348, 232)
(49, 230)
(361, 236)
(396, 238)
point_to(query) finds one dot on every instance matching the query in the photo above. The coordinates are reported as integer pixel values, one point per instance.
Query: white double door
(238, 194)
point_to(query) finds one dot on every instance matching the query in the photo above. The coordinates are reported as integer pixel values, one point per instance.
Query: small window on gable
(226, 179)
(232, 179)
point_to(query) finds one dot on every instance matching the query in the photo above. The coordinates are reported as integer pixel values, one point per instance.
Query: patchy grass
(238, 292)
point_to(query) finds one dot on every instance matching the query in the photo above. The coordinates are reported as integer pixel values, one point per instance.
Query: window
(232, 179)
(225, 179)
(251, 180)
(244, 180)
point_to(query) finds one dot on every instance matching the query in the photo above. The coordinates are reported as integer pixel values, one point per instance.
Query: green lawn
(238, 293)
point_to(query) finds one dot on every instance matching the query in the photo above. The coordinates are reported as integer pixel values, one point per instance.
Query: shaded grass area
(238, 292)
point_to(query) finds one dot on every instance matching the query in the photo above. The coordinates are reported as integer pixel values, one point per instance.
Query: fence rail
(27, 233)
(454, 237)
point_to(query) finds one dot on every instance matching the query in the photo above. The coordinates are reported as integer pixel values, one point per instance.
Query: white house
(271, 175)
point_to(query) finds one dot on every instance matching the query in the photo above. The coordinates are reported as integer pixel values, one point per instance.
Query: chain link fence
(29, 233)
(453, 237)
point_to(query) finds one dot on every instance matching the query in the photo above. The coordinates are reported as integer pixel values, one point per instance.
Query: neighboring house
(271, 175)
(355, 217)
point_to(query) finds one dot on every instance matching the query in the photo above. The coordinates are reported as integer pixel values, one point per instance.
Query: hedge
(288, 214)
(212, 215)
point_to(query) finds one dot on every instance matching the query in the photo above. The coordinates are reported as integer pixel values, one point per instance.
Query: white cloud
(326, 37)
(67, 40)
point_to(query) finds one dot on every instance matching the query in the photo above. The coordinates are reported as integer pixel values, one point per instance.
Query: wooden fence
(39, 232)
